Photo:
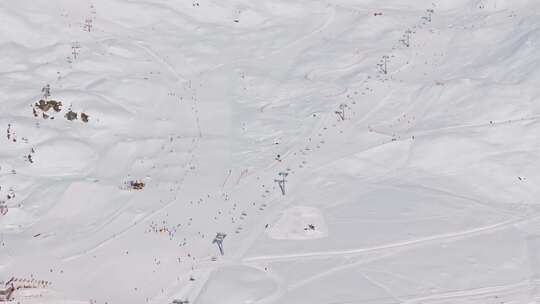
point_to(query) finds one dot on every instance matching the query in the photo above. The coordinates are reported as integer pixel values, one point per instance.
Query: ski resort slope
(408, 132)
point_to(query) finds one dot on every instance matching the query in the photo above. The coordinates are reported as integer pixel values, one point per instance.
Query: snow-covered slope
(187, 111)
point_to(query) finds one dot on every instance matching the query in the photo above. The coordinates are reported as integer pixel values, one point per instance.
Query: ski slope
(408, 131)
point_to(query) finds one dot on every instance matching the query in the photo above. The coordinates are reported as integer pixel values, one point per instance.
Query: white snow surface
(427, 191)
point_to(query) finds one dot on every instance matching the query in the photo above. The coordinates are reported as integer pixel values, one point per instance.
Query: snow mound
(299, 223)
(63, 157)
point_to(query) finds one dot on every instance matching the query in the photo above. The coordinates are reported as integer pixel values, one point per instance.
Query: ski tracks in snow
(454, 236)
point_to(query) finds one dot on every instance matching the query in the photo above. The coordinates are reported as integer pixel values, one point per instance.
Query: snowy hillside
(348, 151)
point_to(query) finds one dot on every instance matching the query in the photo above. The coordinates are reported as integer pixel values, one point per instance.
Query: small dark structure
(219, 241)
(281, 181)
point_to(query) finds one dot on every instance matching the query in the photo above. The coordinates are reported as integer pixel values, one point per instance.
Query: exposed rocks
(84, 117)
(71, 115)
(45, 105)
(43, 108)
(134, 185)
